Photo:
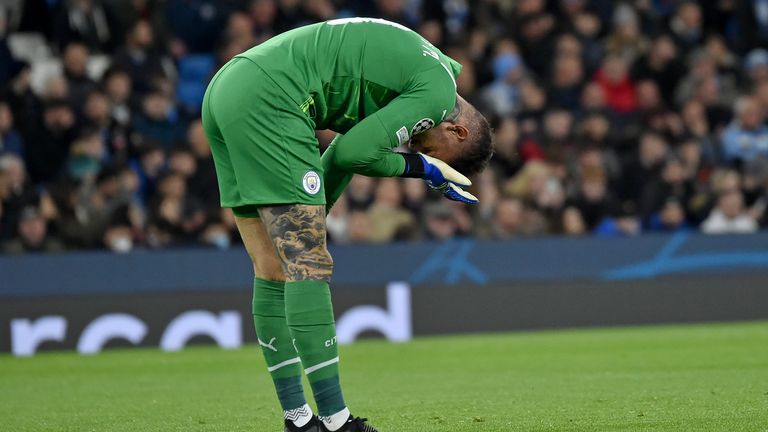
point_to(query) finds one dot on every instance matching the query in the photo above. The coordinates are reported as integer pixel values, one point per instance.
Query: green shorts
(263, 144)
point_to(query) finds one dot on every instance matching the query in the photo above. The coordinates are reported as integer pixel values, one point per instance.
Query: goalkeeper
(379, 85)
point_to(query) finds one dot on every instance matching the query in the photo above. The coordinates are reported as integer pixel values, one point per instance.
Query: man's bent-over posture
(379, 85)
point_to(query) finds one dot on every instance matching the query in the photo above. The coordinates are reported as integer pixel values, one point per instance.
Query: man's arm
(367, 148)
(336, 179)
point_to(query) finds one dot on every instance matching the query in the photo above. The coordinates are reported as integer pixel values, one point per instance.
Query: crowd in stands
(611, 118)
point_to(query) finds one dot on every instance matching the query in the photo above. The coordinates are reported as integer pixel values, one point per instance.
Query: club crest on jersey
(311, 182)
(422, 125)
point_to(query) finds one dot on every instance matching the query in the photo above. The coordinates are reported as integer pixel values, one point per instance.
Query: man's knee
(268, 268)
(309, 265)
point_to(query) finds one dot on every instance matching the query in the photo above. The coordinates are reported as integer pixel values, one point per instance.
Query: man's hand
(440, 176)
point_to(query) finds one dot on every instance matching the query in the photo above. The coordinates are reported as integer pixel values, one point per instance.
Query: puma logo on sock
(269, 345)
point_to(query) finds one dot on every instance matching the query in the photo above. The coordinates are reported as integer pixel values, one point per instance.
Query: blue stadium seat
(190, 94)
(196, 67)
(194, 72)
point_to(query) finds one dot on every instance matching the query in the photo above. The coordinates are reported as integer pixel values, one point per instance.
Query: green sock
(276, 343)
(310, 318)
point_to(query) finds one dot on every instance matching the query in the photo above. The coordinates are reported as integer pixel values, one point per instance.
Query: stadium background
(627, 133)
(634, 129)
(611, 119)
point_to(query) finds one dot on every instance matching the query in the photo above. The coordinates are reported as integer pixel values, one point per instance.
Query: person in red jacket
(619, 89)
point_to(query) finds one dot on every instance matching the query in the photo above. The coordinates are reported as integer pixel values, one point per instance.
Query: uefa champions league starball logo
(422, 125)
(311, 182)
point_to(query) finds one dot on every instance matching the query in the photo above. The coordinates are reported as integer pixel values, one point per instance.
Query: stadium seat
(30, 47)
(196, 67)
(190, 94)
(194, 71)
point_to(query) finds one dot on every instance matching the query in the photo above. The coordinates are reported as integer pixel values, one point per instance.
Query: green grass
(673, 378)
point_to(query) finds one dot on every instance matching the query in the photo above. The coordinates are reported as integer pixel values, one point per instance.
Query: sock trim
(297, 413)
(318, 366)
(337, 420)
(284, 364)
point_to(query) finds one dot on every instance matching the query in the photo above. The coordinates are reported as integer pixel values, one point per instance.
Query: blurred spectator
(592, 197)
(671, 218)
(508, 219)
(756, 66)
(174, 217)
(662, 65)
(389, 220)
(706, 82)
(572, 222)
(85, 156)
(621, 221)
(48, 144)
(76, 74)
(119, 239)
(567, 78)
(148, 167)
(359, 227)
(671, 184)
(240, 27)
(617, 85)
(626, 40)
(439, 222)
(85, 21)
(337, 221)
(502, 96)
(202, 182)
(10, 138)
(729, 216)
(139, 57)
(196, 24)
(160, 119)
(752, 21)
(686, 25)
(360, 192)
(33, 235)
(507, 157)
(125, 13)
(392, 10)
(537, 36)
(6, 57)
(15, 193)
(216, 235)
(747, 136)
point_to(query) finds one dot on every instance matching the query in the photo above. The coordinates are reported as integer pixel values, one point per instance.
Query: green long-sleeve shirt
(373, 81)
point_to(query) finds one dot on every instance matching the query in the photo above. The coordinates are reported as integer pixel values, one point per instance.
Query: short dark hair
(479, 145)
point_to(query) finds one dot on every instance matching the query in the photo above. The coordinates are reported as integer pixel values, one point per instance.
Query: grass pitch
(673, 378)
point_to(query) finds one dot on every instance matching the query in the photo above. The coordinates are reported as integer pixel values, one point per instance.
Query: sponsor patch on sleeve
(402, 135)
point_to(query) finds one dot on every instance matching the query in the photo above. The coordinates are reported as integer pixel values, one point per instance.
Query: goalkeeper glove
(439, 176)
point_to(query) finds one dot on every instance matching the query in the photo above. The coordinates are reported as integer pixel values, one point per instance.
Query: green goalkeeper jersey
(374, 81)
(345, 70)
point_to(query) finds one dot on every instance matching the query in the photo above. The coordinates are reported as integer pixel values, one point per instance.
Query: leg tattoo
(298, 233)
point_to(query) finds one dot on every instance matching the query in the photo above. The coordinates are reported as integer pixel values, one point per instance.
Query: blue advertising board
(460, 261)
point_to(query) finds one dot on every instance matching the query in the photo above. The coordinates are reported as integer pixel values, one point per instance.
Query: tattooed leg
(298, 234)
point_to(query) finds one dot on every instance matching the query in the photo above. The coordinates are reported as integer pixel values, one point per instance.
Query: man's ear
(460, 130)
